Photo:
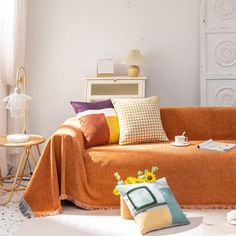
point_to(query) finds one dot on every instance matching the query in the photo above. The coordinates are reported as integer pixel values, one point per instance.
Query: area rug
(10, 215)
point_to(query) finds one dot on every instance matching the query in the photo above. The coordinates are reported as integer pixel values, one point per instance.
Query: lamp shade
(134, 57)
(17, 102)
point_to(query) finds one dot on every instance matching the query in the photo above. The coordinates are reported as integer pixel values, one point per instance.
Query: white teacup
(180, 139)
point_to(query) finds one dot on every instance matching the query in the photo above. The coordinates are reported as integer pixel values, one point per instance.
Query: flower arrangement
(142, 177)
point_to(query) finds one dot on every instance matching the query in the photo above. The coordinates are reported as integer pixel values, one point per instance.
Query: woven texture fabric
(86, 177)
(139, 120)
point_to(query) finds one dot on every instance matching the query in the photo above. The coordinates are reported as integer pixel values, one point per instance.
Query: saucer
(180, 145)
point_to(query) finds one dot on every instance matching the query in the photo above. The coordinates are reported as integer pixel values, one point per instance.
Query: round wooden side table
(27, 146)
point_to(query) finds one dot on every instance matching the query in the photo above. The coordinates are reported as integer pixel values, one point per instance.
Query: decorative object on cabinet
(218, 52)
(17, 103)
(134, 59)
(114, 87)
(105, 67)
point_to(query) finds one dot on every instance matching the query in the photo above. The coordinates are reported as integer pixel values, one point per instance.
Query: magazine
(211, 145)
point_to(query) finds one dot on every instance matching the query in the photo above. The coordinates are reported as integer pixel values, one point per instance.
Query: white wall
(65, 37)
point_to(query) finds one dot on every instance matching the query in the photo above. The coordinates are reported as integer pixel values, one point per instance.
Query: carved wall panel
(225, 97)
(226, 9)
(225, 53)
(218, 52)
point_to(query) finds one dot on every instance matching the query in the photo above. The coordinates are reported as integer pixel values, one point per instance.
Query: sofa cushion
(139, 120)
(99, 122)
(153, 205)
(197, 178)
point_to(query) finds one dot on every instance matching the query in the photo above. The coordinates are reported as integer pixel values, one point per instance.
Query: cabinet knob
(114, 80)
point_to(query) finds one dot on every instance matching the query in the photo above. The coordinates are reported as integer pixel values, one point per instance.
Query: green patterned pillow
(153, 205)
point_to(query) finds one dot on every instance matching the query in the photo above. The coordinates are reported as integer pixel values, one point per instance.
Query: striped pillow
(99, 122)
(139, 120)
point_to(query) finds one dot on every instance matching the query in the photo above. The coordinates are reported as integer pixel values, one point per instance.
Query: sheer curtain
(12, 51)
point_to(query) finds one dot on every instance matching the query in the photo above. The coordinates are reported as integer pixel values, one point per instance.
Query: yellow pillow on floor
(152, 205)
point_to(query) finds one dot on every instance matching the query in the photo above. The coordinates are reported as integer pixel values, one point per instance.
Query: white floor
(77, 222)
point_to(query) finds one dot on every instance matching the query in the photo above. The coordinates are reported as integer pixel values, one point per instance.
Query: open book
(211, 145)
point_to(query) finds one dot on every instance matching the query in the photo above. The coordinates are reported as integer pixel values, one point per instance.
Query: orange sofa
(199, 179)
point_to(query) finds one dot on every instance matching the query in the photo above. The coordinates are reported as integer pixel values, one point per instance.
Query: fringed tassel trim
(86, 206)
(209, 207)
(24, 208)
(48, 213)
(27, 211)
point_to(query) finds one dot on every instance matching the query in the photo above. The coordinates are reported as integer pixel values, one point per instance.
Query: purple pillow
(83, 106)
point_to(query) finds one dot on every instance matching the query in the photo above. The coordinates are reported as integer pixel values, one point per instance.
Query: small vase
(124, 210)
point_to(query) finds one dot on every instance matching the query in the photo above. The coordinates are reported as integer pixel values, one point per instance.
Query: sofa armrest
(58, 172)
(71, 129)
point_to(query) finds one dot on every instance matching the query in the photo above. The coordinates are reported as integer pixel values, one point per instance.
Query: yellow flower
(150, 177)
(131, 180)
(116, 192)
(141, 179)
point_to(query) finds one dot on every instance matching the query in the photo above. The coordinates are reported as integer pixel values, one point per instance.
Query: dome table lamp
(134, 59)
(17, 103)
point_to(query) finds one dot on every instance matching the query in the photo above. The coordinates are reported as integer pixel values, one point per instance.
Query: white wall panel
(218, 52)
(65, 37)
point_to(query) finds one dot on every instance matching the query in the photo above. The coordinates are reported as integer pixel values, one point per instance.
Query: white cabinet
(99, 88)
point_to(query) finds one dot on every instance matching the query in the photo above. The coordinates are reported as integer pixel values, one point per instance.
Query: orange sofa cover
(199, 179)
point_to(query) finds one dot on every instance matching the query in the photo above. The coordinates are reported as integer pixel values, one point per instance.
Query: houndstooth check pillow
(139, 120)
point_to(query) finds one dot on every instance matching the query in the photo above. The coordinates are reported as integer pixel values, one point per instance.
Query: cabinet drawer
(99, 89)
(115, 87)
